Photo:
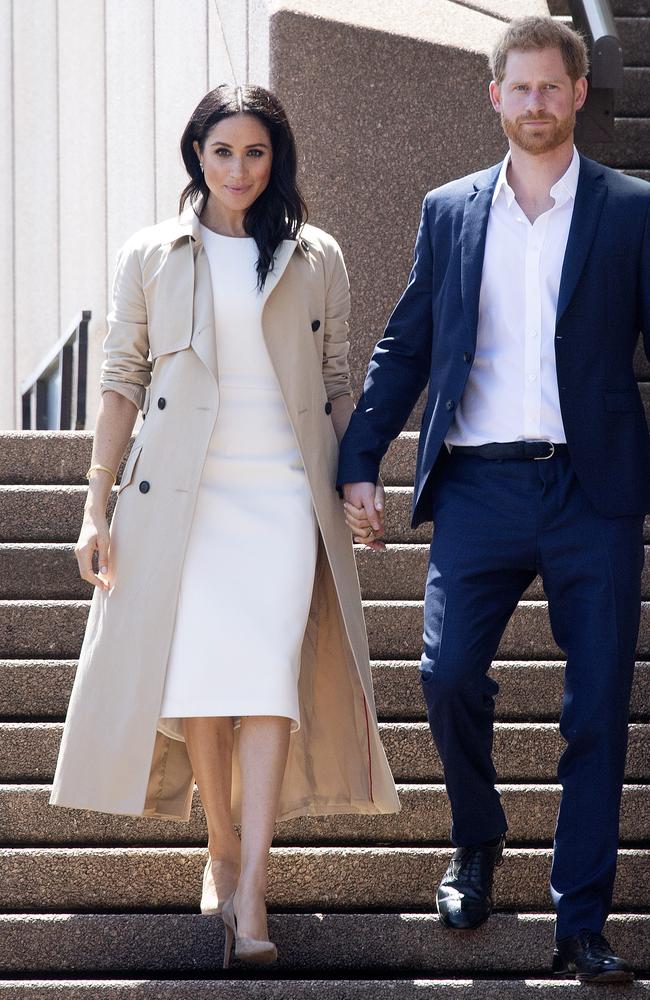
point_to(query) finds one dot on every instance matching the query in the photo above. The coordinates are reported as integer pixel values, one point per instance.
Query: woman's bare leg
(263, 749)
(209, 744)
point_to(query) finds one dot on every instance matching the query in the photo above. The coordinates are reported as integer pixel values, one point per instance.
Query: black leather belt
(537, 450)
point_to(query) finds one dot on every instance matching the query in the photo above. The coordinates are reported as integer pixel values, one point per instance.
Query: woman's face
(236, 158)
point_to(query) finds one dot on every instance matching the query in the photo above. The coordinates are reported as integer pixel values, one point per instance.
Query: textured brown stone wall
(380, 119)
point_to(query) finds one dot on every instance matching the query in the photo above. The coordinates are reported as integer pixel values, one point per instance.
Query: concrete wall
(385, 108)
(387, 98)
(94, 96)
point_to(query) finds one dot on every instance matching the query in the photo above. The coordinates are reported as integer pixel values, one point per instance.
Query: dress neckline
(220, 236)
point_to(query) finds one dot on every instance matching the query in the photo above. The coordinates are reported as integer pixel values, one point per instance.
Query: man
(531, 281)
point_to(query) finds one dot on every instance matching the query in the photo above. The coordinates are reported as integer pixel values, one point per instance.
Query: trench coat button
(162, 403)
(450, 404)
(467, 356)
(315, 325)
(328, 407)
(144, 486)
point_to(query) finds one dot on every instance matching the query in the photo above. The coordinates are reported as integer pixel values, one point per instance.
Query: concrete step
(48, 571)
(634, 99)
(532, 690)
(399, 573)
(308, 879)
(26, 819)
(634, 33)
(54, 630)
(630, 147)
(523, 751)
(395, 944)
(293, 989)
(53, 513)
(395, 630)
(44, 458)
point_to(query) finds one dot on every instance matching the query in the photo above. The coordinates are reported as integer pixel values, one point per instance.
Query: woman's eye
(223, 152)
(256, 152)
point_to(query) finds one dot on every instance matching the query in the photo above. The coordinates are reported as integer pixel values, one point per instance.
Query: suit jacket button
(162, 403)
(450, 404)
(315, 325)
(328, 407)
(144, 486)
(467, 357)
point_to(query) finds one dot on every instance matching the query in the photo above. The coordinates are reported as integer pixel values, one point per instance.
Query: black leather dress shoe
(464, 897)
(589, 957)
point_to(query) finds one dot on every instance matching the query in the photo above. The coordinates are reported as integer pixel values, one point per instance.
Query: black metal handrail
(595, 20)
(54, 395)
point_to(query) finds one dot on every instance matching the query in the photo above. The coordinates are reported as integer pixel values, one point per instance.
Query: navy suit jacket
(603, 304)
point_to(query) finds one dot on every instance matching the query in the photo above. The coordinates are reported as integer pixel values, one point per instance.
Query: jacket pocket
(622, 402)
(129, 468)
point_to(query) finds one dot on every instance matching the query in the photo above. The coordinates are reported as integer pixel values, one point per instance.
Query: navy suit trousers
(497, 525)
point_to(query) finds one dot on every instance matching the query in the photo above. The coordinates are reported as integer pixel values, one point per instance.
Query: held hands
(94, 538)
(364, 513)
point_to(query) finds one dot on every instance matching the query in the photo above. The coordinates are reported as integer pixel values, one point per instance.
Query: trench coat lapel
(204, 336)
(282, 257)
(283, 357)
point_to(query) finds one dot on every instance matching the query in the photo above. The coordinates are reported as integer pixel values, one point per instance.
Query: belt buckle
(544, 458)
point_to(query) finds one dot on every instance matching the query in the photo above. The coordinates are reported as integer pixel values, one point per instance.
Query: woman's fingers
(93, 540)
(362, 531)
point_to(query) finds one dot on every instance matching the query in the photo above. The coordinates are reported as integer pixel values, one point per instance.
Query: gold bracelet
(102, 468)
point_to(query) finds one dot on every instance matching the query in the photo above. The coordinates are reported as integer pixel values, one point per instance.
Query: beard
(541, 140)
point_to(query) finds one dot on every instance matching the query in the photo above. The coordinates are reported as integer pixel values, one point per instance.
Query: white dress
(248, 573)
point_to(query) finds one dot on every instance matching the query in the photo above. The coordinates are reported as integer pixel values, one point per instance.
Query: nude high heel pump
(217, 886)
(246, 949)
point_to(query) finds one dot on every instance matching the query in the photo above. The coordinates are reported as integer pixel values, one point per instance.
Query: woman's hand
(94, 538)
(364, 513)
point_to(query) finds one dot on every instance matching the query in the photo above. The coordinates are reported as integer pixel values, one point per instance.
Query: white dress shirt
(511, 393)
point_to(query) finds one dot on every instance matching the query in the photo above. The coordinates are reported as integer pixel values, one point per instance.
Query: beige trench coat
(161, 343)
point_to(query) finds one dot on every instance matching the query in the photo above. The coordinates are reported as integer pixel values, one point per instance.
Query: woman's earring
(202, 167)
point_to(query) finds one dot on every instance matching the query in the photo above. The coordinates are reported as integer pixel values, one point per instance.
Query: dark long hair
(279, 211)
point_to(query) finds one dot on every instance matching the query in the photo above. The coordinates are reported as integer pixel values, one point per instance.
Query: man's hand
(364, 513)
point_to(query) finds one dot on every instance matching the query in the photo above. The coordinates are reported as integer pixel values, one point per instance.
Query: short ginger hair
(530, 33)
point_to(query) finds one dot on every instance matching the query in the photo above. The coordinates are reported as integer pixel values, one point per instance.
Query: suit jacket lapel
(472, 246)
(590, 197)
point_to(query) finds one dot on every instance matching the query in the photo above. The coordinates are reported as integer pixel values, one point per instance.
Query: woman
(225, 641)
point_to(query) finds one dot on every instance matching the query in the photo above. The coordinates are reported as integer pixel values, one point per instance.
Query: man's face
(537, 100)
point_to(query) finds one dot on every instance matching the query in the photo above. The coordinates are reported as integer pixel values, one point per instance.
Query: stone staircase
(630, 149)
(94, 905)
(102, 906)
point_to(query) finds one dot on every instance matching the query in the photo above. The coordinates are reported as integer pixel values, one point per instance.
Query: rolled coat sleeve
(336, 344)
(127, 367)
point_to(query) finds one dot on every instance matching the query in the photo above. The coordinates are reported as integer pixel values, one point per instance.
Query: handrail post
(54, 395)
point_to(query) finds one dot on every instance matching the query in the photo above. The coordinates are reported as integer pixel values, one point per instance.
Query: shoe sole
(618, 976)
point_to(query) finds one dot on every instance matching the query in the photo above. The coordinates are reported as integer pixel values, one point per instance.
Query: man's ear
(580, 91)
(495, 95)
